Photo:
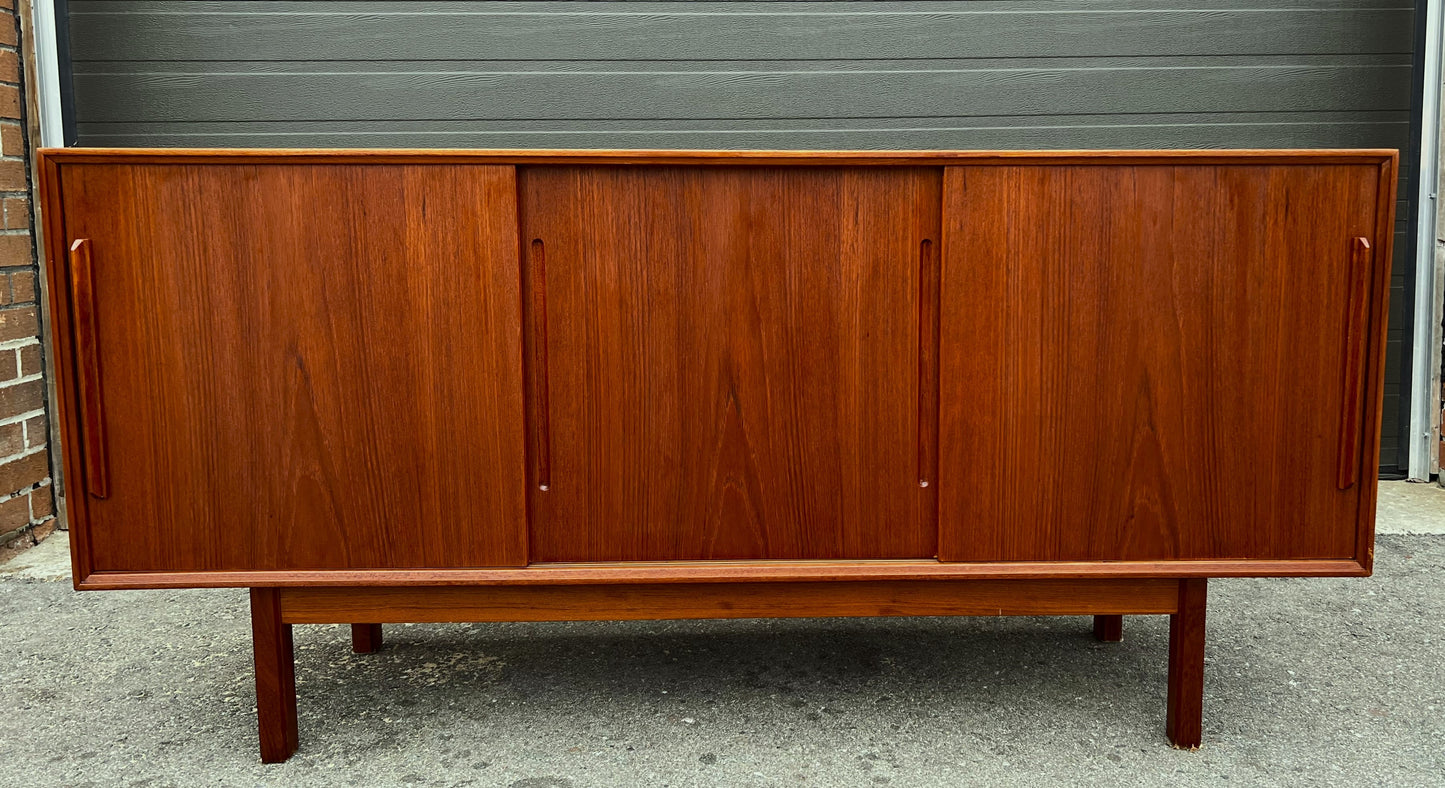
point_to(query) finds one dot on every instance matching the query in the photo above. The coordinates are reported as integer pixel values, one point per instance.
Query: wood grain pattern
(67, 409)
(1109, 628)
(1146, 335)
(366, 638)
(1361, 258)
(733, 362)
(87, 359)
(275, 677)
(169, 295)
(1185, 716)
(306, 367)
(729, 600)
(928, 330)
(1375, 398)
(714, 158)
(534, 353)
(604, 573)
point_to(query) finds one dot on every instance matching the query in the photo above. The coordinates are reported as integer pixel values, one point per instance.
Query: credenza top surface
(718, 157)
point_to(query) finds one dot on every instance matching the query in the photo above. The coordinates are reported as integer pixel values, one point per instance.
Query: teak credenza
(378, 386)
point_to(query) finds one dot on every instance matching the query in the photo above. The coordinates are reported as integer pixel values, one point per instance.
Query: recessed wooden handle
(928, 339)
(1361, 261)
(535, 360)
(87, 367)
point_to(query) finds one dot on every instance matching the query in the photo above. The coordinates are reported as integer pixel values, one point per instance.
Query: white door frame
(1423, 457)
(47, 82)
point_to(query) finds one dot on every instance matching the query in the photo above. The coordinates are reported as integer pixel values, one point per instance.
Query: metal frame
(1424, 366)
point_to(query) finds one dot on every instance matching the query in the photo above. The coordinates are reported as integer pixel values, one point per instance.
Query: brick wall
(27, 506)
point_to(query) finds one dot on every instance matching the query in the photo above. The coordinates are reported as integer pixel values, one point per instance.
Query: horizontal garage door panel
(764, 31)
(695, 90)
(1242, 130)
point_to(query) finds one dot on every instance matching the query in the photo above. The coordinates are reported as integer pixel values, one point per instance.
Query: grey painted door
(982, 74)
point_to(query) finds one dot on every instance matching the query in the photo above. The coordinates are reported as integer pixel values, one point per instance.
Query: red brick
(12, 176)
(9, 66)
(22, 287)
(29, 360)
(18, 474)
(18, 399)
(42, 503)
(42, 530)
(12, 440)
(8, 372)
(15, 250)
(9, 30)
(8, 5)
(36, 432)
(9, 96)
(17, 213)
(12, 139)
(15, 513)
(18, 324)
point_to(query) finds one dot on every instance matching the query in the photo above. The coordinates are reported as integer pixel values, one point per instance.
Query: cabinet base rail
(275, 610)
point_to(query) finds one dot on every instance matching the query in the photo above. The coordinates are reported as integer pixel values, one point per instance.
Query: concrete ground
(1309, 682)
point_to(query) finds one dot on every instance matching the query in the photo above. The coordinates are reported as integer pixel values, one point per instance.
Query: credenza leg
(1186, 666)
(275, 677)
(365, 638)
(1109, 629)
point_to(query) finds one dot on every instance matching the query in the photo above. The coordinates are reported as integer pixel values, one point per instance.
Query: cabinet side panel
(305, 366)
(1375, 398)
(1146, 362)
(57, 273)
(732, 362)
